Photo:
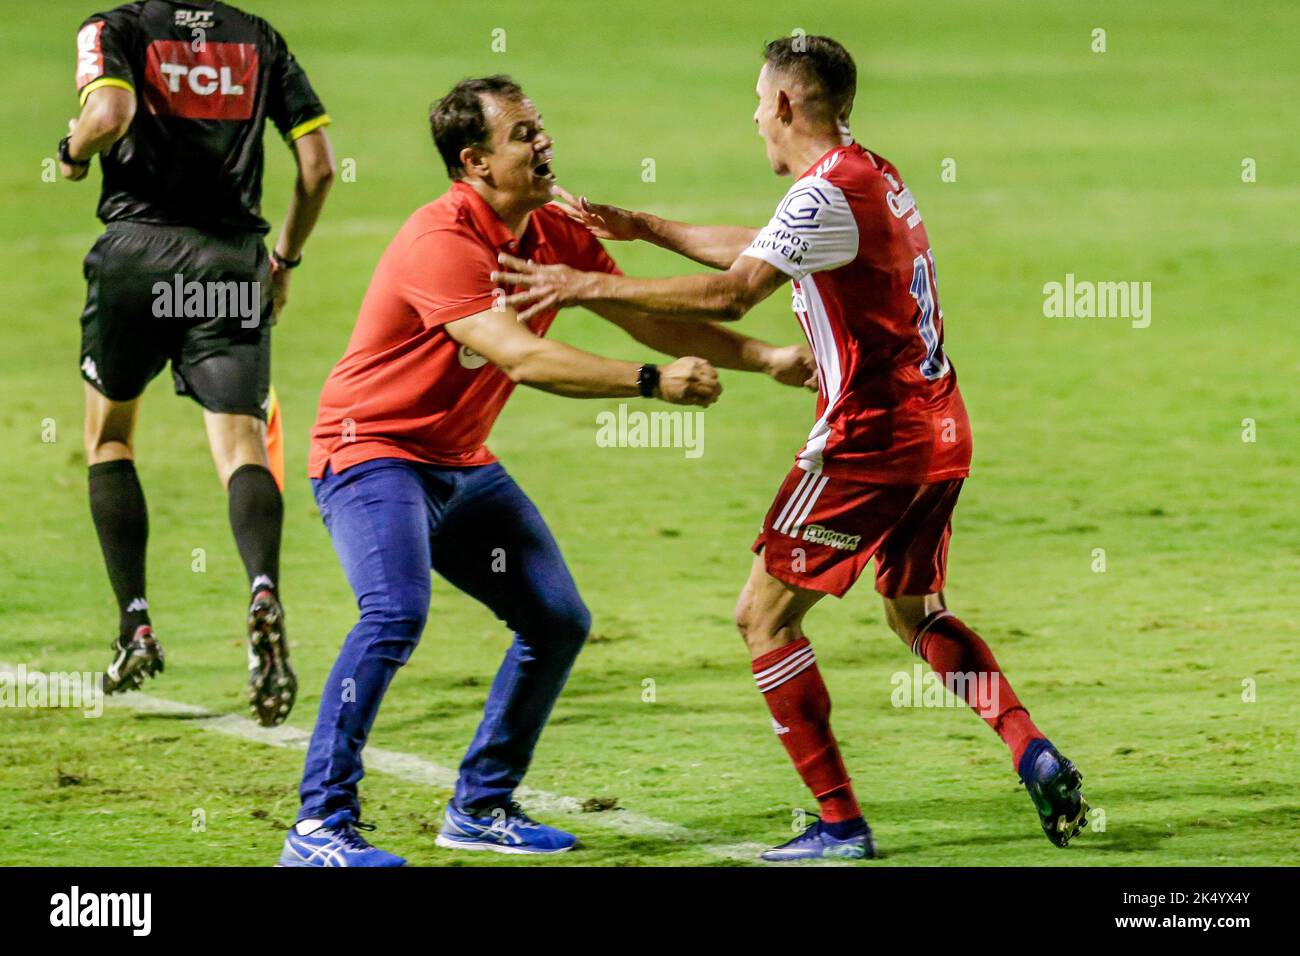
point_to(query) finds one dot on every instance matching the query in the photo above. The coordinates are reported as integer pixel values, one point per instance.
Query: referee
(174, 101)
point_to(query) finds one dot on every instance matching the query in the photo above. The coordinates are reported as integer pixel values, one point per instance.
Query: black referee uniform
(181, 275)
(181, 197)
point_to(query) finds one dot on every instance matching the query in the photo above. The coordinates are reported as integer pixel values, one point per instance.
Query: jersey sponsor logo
(801, 207)
(90, 57)
(468, 358)
(901, 203)
(797, 217)
(817, 534)
(216, 82)
(195, 19)
(789, 246)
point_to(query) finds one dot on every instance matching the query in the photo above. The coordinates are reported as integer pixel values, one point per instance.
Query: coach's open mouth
(543, 170)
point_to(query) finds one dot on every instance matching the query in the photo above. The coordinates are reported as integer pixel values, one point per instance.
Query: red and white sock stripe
(924, 626)
(783, 670)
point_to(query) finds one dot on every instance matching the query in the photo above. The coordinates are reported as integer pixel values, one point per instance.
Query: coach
(405, 483)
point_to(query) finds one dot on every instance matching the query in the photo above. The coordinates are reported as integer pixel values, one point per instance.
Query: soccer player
(881, 469)
(405, 484)
(174, 101)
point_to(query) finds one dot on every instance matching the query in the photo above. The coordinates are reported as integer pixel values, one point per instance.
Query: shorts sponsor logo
(89, 369)
(218, 81)
(816, 534)
(468, 358)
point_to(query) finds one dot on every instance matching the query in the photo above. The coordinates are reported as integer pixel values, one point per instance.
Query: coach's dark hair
(821, 62)
(457, 120)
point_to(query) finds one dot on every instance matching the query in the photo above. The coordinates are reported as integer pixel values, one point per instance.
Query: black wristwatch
(284, 263)
(66, 157)
(647, 380)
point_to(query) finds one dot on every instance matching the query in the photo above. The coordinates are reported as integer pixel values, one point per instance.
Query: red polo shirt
(405, 388)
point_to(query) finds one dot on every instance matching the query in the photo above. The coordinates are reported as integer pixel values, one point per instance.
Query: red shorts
(821, 531)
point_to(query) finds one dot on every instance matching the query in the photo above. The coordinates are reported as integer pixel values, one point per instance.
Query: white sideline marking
(410, 768)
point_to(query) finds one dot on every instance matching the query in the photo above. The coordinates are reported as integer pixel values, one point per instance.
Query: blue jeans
(391, 520)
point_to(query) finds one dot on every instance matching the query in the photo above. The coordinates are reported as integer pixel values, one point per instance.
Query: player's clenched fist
(689, 381)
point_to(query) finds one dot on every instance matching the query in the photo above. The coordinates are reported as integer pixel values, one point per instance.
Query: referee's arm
(104, 119)
(316, 169)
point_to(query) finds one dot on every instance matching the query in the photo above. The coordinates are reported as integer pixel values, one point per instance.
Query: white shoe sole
(449, 844)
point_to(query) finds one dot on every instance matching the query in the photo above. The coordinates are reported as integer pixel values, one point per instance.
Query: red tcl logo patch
(218, 81)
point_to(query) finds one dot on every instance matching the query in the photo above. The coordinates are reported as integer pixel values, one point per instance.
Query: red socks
(801, 708)
(970, 670)
(801, 712)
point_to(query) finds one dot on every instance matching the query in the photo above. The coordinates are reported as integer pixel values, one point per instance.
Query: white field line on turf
(412, 769)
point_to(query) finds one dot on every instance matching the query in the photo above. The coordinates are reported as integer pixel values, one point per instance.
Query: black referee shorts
(173, 293)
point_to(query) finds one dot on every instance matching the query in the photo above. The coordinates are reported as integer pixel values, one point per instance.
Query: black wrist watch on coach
(647, 380)
(66, 157)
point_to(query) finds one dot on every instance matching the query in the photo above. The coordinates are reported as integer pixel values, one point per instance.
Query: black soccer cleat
(134, 658)
(272, 685)
(1055, 787)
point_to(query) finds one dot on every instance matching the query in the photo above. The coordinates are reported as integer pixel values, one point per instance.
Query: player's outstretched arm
(722, 296)
(713, 246)
(788, 364)
(552, 366)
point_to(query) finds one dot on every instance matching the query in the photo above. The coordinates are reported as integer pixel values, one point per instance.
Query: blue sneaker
(333, 841)
(505, 830)
(817, 843)
(1055, 786)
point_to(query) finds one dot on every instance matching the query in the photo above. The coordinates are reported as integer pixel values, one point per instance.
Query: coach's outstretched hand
(689, 381)
(605, 222)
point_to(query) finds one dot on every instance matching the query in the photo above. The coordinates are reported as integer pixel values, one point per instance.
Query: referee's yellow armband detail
(103, 81)
(302, 129)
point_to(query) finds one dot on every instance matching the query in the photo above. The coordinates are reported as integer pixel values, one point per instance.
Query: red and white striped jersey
(850, 236)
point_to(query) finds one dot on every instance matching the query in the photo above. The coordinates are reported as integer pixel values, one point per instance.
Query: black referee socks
(256, 516)
(122, 522)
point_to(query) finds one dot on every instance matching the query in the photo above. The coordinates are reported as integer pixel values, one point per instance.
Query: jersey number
(925, 290)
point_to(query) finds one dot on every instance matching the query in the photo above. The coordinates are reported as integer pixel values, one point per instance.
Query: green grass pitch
(1170, 678)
